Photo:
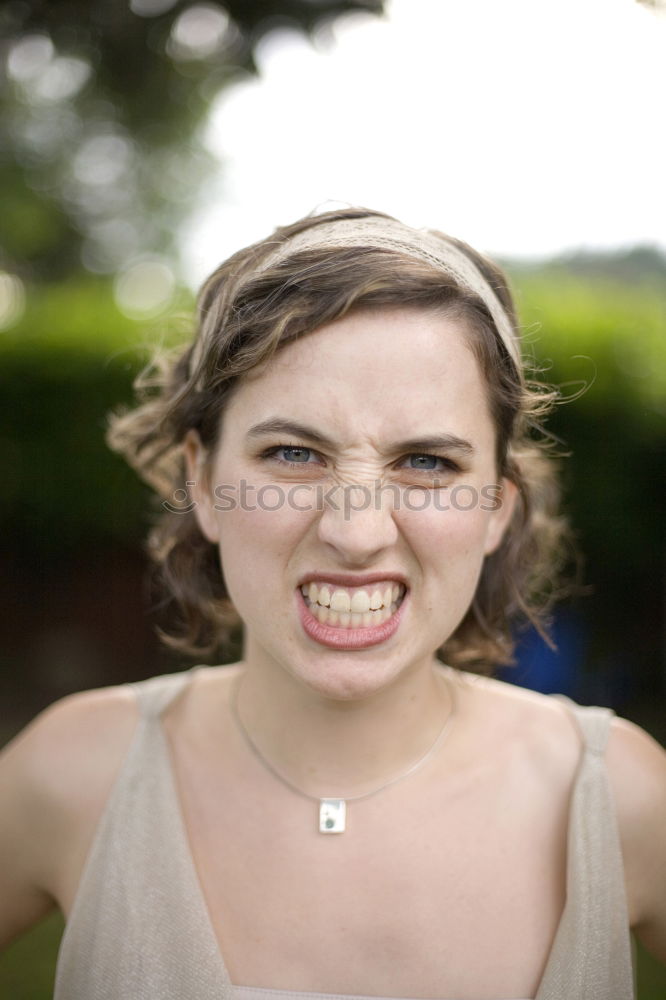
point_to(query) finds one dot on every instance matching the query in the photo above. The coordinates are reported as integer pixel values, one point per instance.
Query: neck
(342, 748)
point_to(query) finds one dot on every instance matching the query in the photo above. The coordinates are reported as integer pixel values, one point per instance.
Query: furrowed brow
(276, 425)
(435, 442)
(438, 442)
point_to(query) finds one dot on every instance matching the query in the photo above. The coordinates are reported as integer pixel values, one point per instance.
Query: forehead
(380, 369)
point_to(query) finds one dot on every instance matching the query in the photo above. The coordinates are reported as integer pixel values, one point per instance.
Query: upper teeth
(353, 599)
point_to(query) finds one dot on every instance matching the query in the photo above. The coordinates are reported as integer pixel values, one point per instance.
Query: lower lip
(347, 638)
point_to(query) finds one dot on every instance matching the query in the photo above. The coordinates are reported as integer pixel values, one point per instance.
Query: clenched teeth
(353, 607)
(345, 619)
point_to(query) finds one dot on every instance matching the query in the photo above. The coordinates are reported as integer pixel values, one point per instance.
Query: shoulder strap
(139, 918)
(591, 958)
(593, 722)
(154, 694)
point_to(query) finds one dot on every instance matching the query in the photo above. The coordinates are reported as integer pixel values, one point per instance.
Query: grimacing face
(353, 495)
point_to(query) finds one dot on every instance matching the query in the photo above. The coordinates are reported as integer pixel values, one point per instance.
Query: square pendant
(332, 815)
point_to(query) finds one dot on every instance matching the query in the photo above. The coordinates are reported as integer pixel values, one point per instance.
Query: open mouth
(351, 617)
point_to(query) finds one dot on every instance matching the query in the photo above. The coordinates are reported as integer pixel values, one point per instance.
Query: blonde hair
(256, 302)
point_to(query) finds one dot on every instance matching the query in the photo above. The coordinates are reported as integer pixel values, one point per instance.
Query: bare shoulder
(635, 761)
(637, 770)
(546, 728)
(55, 778)
(77, 739)
(543, 726)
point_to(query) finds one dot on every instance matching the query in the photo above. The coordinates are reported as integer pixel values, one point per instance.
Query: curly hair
(247, 310)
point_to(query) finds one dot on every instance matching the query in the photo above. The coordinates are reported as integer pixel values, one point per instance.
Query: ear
(500, 515)
(197, 479)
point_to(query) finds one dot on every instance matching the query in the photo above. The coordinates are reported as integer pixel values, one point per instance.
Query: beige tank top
(139, 928)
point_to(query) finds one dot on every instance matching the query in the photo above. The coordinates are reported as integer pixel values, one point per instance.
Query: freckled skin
(366, 381)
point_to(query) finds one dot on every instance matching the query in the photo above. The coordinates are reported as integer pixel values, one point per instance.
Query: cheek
(449, 546)
(259, 530)
(448, 535)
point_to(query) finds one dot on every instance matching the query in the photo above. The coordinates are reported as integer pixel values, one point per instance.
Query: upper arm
(55, 777)
(637, 771)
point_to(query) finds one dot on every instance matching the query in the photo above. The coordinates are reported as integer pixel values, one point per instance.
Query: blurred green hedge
(71, 360)
(73, 357)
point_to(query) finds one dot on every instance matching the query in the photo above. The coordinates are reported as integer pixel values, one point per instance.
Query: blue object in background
(543, 669)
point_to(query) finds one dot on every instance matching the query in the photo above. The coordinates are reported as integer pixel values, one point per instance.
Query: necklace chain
(338, 804)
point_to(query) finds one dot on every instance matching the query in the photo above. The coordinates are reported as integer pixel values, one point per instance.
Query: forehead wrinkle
(351, 399)
(309, 432)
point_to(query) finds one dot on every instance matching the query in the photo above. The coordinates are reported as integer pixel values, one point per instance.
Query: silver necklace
(333, 811)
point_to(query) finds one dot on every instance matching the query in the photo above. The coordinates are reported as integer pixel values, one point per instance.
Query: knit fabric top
(140, 930)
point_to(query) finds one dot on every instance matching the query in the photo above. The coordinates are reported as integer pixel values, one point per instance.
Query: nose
(358, 523)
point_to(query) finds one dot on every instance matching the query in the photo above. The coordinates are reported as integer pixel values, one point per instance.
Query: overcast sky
(522, 126)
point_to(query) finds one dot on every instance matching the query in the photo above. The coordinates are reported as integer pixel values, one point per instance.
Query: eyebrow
(435, 442)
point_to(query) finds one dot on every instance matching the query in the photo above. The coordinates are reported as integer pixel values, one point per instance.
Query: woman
(342, 813)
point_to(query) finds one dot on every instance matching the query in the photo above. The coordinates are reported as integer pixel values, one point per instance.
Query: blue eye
(426, 462)
(290, 454)
(295, 454)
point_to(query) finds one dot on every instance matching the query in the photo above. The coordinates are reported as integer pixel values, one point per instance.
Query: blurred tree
(100, 104)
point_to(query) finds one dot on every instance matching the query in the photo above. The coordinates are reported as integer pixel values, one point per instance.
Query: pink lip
(348, 638)
(353, 580)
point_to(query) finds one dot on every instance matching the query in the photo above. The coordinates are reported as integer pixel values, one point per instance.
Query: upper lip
(353, 579)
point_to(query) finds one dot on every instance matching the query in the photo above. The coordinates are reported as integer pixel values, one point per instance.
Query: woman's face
(353, 495)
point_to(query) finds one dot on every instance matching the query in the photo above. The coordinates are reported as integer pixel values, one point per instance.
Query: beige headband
(389, 234)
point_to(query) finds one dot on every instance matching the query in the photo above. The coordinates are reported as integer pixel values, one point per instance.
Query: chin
(352, 675)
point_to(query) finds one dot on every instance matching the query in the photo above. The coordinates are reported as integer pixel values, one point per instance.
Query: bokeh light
(200, 32)
(61, 79)
(12, 299)
(145, 288)
(43, 76)
(103, 160)
(29, 57)
(151, 8)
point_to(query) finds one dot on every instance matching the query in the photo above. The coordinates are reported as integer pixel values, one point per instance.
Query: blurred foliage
(604, 330)
(70, 359)
(596, 325)
(27, 968)
(101, 104)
